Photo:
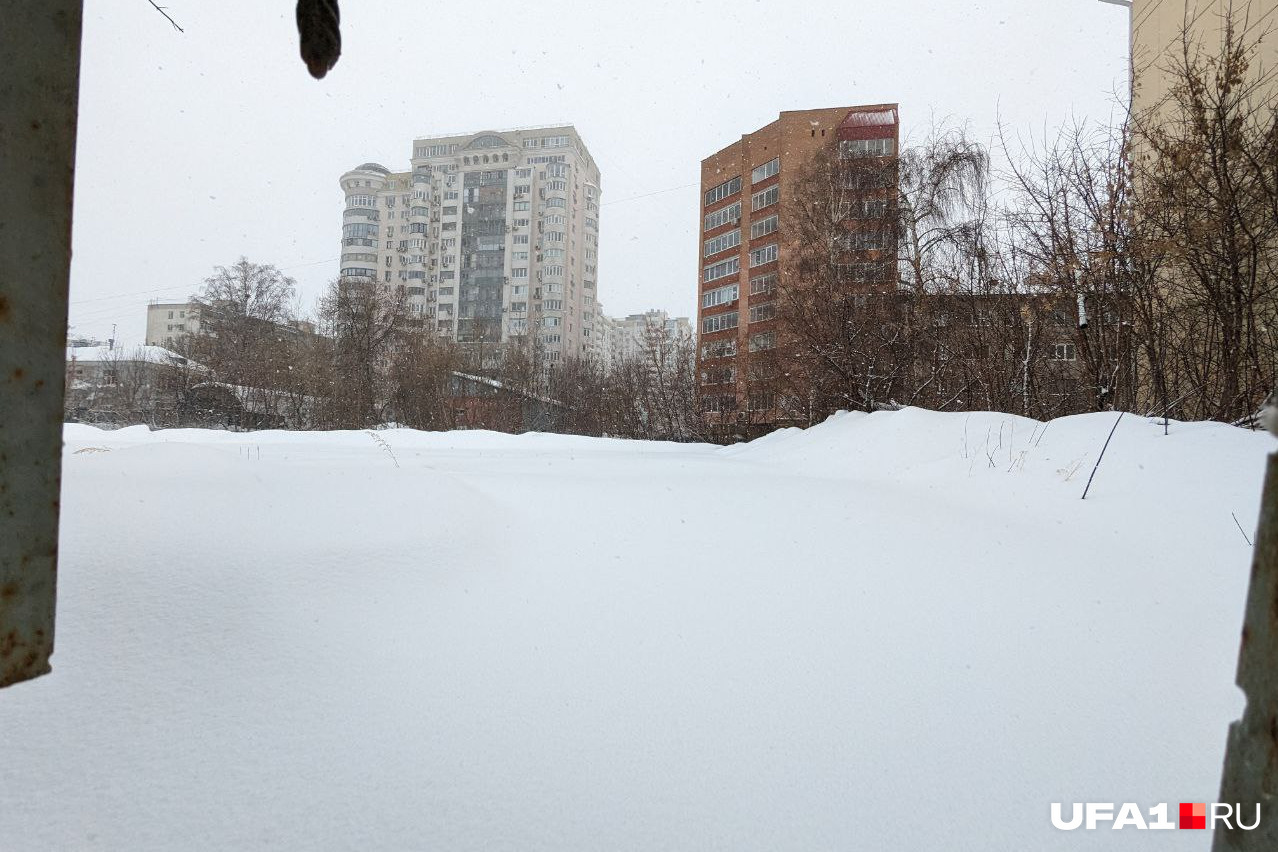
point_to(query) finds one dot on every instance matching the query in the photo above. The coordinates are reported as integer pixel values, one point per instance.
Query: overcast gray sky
(196, 148)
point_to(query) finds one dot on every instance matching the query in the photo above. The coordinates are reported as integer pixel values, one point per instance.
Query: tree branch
(168, 17)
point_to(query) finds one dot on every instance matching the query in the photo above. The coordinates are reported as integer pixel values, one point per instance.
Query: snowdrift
(897, 631)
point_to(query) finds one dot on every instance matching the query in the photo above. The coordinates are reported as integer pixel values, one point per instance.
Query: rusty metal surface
(1251, 757)
(39, 85)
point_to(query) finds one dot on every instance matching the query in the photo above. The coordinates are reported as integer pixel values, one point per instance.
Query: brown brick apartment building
(745, 189)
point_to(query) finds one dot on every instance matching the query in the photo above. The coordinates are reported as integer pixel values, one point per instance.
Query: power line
(669, 189)
(126, 295)
(181, 287)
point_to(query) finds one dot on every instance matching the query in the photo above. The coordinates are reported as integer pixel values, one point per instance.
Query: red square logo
(1193, 815)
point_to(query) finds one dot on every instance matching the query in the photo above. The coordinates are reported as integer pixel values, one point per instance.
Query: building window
(874, 208)
(719, 349)
(719, 296)
(723, 190)
(763, 340)
(760, 256)
(863, 273)
(866, 147)
(763, 312)
(765, 198)
(731, 213)
(520, 272)
(719, 376)
(866, 241)
(721, 270)
(359, 230)
(719, 322)
(763, 284)
(766, 170)
(1062, 352)
(763, 227)
(723, 242)
(434, 150)
(726, 402)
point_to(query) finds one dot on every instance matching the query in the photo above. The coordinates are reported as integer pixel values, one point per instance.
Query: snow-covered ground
(901, 631)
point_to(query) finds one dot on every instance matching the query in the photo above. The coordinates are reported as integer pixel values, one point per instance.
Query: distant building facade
(745, 190)
(631, 336)
(168, 323)
(143, 384)
(1157, 27)
(492, 237)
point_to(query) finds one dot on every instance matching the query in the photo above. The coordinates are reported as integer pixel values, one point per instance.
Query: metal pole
(39, 98)
(1250, 776)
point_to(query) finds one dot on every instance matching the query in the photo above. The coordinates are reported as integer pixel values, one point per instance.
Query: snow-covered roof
(495, 383)
(103, 354)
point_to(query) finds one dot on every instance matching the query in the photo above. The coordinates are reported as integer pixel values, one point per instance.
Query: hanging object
(318, 27)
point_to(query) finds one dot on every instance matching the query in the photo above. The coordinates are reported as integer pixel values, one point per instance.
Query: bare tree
(1204, 181)
(942, 205)
(423, 366)
(844, 330)
(367, 322)
(245, 311)
(1073, 223)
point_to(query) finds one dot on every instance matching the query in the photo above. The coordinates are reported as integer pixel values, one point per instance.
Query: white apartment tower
(492, 236)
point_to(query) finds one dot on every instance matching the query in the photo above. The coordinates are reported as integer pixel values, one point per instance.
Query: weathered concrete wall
(1251, 759)
(39, 89)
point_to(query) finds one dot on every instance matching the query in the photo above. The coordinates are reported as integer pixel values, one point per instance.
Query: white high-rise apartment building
(633, 335)
(493, 236)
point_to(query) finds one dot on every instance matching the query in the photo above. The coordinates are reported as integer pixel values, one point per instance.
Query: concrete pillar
(1251, 757)
(39, 92)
